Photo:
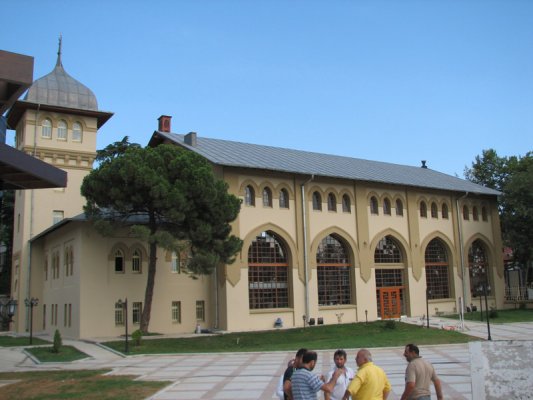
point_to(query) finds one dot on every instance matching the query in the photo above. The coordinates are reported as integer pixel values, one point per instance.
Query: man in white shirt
(343, 380)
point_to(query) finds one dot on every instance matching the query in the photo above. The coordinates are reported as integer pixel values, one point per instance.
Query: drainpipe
(306, 262)
(461, 255)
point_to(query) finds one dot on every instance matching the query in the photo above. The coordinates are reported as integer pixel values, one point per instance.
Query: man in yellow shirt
(370, 382)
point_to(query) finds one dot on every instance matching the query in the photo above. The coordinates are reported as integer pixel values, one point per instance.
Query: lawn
(348, 336)
(90, 385)
(18, 341)
(502, 316)
(66, 354)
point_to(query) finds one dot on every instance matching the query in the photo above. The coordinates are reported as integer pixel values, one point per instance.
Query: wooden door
(391, 303)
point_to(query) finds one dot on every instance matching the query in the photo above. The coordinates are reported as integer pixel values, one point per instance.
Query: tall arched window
(386, 206)
(399, 208)
(374, 208)
(268, 273)
(434, 210)
(466, 213)
(475, 214)
(332, 202)
(62, 130)
(119, 261)
(478, 266)
(390, 289)
(333, 273)
(249, 196)
(346, 204)
(484, 215)
(46, 129)
(77, 132)
(437, 270)
(283, 198)
(423, 209)
(387, 251)
(267, 197)
(444, 211)
(136, 261)
(317, 201)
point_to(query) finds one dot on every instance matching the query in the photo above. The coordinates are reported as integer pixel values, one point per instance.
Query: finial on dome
(59, 63)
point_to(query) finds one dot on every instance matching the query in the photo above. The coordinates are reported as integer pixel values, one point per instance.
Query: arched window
(333, 273)
(434, 210)
(387, 251)
(77, 132)
(475, 214)
(374, 208)
(267, 197)
(119, 261)
(484, 215)
(466, 213)
(283, 198)
(386, 206)
(437, 270)
(136, 261)
(332, 202)
(478, 264)
(444, 211)
(346, 204)
(423, 209)
(399, 208)
(62, 130)
(46, 129)
(317, 201)
(175, 263)
(249, 196)
(268, 273)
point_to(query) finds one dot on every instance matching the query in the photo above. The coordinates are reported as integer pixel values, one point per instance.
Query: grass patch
(347, 336)
(504, 316)
(90, 385)
(66, 354)
(18, 341)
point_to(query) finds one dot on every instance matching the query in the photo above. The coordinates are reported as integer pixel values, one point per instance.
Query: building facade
(327, 240)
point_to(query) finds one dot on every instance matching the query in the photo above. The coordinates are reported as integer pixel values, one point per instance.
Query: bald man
(370, 382)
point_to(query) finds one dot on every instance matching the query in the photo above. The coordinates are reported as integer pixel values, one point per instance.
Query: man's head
(411, 352)
(339, 358)
(309, 360)
(298, 358)
(363, 356)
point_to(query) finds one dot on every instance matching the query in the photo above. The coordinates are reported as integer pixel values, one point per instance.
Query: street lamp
(486, 288)
(7, 311)
(428, 293)
(482, 290)
(31, 303)
(124, 305)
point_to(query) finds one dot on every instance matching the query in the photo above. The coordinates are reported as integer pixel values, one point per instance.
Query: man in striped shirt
(305, 384)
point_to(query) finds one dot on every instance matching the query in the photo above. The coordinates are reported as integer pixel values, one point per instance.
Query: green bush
(493, 313)
(136, 336)
(522, 306)
(58, 342)
(389, 324)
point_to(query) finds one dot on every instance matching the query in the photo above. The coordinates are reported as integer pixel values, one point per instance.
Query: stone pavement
(468, 371)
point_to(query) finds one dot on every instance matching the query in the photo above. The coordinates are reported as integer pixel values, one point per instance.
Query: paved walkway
(254, 376)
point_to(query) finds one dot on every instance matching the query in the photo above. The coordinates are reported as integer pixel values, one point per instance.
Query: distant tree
(513, 176)
(7, 206)
(170, 198)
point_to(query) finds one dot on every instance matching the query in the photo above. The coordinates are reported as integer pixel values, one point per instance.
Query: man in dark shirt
(289, 371)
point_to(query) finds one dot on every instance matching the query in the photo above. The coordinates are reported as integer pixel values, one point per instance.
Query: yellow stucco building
(327, 239)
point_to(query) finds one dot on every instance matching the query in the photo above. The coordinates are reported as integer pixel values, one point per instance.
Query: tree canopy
(513, 176)
(170, 198)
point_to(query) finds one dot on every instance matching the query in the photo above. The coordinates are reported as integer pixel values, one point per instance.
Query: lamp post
(124, 305)
(7, 311)
(31, 303)
(486, 287)
(428, 293)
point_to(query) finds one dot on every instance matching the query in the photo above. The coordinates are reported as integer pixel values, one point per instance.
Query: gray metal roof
(60, 89)
(247, 155)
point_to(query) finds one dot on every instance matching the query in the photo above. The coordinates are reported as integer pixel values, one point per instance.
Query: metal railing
(518, 293)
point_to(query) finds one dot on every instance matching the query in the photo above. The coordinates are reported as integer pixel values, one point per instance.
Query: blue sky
(396, 81)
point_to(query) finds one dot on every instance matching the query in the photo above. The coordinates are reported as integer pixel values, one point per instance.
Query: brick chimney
(164, 123)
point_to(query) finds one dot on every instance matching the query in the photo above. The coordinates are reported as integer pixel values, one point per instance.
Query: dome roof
(60, 89)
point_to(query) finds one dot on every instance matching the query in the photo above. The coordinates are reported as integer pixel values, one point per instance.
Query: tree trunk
(149, 293)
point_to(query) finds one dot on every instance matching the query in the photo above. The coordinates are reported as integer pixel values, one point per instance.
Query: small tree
(58, 342)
